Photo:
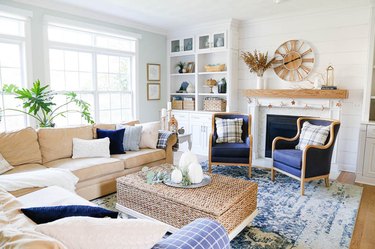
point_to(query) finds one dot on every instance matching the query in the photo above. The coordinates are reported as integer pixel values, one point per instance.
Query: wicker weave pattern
(226, 199)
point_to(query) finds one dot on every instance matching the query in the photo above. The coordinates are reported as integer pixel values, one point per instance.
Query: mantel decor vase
(260, 82)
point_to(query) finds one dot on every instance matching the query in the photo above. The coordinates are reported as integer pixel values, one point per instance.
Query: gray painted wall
(152, 49)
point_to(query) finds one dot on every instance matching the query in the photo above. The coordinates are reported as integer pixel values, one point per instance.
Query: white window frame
(24, 42)
(60, 22)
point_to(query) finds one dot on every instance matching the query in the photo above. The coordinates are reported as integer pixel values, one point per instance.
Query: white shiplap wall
(340, 37)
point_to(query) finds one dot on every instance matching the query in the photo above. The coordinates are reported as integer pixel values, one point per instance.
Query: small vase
(260, 82)
(190, 88)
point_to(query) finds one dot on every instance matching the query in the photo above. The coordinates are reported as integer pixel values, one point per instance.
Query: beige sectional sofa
(30, 150)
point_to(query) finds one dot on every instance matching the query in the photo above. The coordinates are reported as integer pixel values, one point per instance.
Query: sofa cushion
(231, 150)
(4, 165)
(292, 158)
(57, 143)
(87, 168)
(102, 127)
(134, 159)
(20, 147)
(26, 168)
(116, 138)
(83, 148)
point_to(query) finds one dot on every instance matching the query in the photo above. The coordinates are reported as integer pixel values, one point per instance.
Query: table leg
(189, 142)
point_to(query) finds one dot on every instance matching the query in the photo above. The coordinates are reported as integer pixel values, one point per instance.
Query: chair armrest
(284, 143)
(199, 234)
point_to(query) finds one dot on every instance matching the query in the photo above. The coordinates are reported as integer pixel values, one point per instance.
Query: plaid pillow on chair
(312, 135)
(229, 130)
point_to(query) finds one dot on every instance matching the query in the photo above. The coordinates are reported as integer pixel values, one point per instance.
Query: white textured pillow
(150, 133)
(94, 233)
(90, 148)
(4, 165)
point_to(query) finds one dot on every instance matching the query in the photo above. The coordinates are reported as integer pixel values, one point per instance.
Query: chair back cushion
(245, 123)
(312, 135)
(229, 130)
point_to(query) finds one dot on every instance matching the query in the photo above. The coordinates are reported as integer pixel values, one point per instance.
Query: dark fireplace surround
(279, 126)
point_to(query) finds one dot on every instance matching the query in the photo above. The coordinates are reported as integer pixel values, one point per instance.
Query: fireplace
(279, 125)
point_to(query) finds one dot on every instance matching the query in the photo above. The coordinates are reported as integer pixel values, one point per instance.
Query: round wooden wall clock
(294, 60)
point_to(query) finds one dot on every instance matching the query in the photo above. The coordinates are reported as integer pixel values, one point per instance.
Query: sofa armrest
(199, 234)
(172, 140)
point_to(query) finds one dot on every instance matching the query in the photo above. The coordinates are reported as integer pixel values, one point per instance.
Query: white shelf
(183, 94)
(182, 74)
(213, 94)
(205, 73)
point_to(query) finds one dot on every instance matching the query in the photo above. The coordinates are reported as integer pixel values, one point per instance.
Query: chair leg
(249, 171)
(326, 180)
(272, 174)
(302, 187)
(209, 167)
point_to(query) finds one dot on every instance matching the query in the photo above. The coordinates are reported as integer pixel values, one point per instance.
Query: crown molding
(90, 14)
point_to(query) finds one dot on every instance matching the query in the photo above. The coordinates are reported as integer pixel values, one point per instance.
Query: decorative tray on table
(206, 180)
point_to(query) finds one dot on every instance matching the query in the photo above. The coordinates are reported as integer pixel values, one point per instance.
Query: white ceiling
(175, 14)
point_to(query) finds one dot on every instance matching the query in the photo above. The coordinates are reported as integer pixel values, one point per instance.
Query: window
(99, 67)
(12, 69)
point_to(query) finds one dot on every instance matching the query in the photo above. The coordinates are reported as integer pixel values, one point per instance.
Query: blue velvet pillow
(42, 215)
(116, 138)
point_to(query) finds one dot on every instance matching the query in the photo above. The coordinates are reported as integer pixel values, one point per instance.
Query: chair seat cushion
(292, 158)
(230, 150)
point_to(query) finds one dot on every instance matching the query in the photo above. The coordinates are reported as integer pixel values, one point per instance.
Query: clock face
(294, 60)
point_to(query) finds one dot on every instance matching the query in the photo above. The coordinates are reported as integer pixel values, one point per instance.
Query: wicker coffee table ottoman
(230, 201)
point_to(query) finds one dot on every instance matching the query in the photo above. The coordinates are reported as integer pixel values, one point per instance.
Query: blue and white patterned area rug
(323, 218)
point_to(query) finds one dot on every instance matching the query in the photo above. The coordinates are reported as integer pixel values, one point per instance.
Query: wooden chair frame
(210, 162)
(303, 179)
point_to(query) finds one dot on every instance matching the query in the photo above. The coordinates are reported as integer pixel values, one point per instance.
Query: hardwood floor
(364, 230)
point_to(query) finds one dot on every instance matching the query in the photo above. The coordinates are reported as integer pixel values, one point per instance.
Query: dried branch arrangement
(257, 62)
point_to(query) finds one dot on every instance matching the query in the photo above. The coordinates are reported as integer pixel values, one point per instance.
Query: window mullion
(95, 81)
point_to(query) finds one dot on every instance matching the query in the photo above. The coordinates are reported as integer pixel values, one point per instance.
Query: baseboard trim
(365, 180)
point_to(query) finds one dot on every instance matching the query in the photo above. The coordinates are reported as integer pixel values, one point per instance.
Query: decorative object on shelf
(177, 104)
(190, 88)
(258, 63)
(214, 104)
(214, 67)
(37, 102)
(222, 86)
(181, 130)
(183, 87)
(190, 67)
(294, 60)
(330, 76)
(173, 124)
(181, 66)
(211, 83)
(153, 91)
(153, 72)
(188, 104)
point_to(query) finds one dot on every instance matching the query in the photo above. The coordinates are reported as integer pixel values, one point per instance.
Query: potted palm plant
(258, 63)
(37, 102)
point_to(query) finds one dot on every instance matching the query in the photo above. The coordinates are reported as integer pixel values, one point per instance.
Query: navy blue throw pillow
(42, 215)
(116, 140)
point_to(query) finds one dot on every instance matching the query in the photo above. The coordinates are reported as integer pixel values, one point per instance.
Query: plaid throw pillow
(312, 135)
(229, 130)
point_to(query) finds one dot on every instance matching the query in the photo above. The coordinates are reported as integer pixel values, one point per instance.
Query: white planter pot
(260, 83)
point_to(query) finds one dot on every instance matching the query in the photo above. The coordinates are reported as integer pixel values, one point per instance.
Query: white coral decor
(187, 158)
(176, 176)
(195, 173)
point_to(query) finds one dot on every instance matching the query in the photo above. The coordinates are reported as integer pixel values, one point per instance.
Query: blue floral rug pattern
(323, 218)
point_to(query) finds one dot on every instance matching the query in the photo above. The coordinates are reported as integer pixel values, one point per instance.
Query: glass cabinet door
(204, 42)
(188, 44)
(175, 46)
(219, 40)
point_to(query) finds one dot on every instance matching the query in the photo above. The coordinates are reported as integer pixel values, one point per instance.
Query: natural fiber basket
(216, 68)
(177, 104)
(189, 105)
(215, 105)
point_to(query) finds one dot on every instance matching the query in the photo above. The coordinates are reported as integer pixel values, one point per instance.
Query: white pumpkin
(195, 173)
(176, 176)
(187, 158)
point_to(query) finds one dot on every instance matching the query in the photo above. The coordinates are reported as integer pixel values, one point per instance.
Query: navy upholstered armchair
(311, 163)
(239, 154)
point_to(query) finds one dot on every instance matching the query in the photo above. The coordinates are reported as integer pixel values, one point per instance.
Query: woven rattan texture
(226, 199)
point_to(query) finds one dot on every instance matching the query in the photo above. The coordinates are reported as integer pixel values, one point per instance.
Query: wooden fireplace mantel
(297, 93)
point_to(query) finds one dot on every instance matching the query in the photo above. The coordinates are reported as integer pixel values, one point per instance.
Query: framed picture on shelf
(153, 72)
(190, 67)
(153, 91)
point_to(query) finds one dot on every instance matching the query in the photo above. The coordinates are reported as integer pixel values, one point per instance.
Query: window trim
(61, 22)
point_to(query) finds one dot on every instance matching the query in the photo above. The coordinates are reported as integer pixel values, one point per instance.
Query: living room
(173, 113)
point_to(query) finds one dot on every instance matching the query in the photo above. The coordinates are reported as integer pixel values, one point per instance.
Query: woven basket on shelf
(189, 105)
(177, 104)
(215, 105)
(216, 68)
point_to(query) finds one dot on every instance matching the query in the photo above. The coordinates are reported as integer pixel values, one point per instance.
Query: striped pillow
(312, 135)
(229, 130)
